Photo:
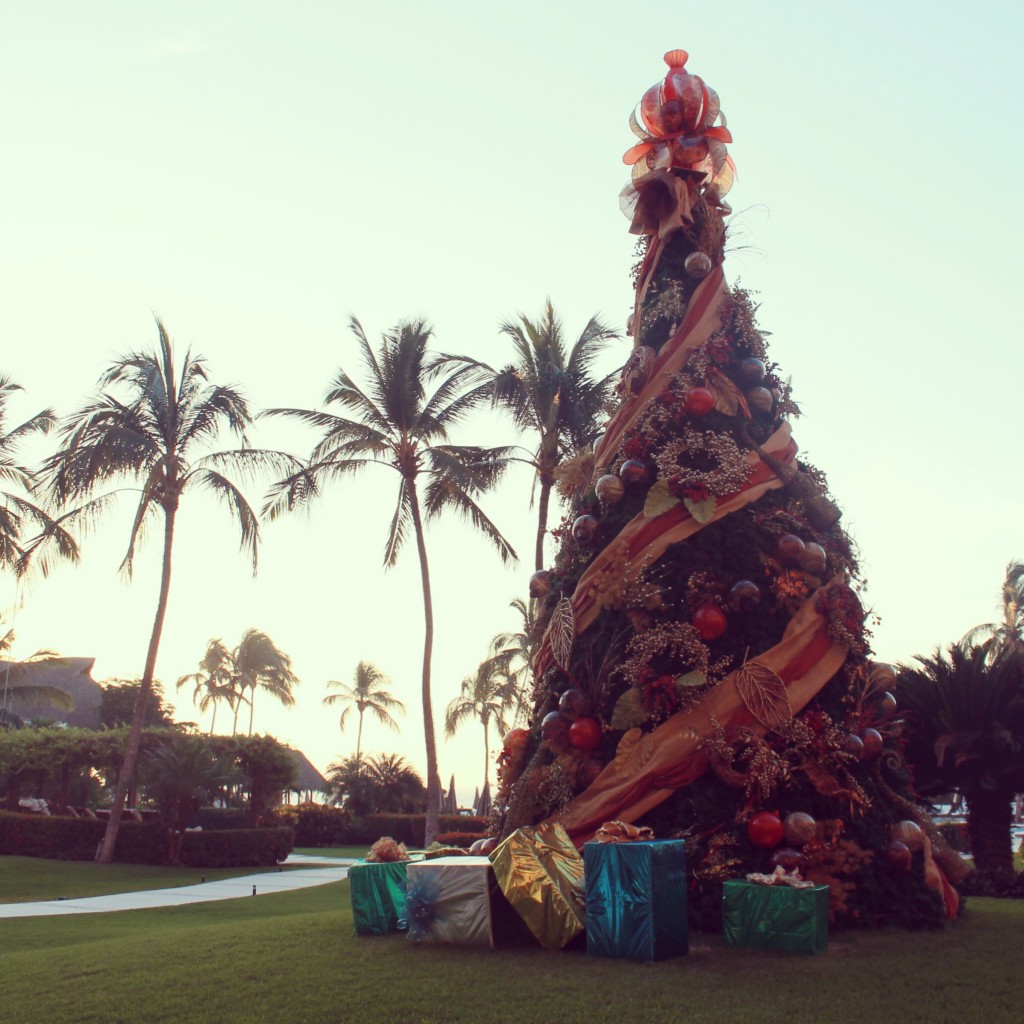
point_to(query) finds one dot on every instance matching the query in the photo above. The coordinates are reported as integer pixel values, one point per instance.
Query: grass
(26, 879)
(293, 957)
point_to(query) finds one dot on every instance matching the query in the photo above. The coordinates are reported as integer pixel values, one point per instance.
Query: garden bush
(462, 839)
(409, 828)
(237, 848)
(34, 835)
(315, 824)
(216, 818)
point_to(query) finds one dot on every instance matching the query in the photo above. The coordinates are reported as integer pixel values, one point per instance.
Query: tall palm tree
(15, 687)
(1008, 632)
(154, 421)
(486, 697)
(517, 649)
(366, 694)
(964, 714)
(213, 682)
(551, 390)
(397, 423)
(258, 663)
(384, 784)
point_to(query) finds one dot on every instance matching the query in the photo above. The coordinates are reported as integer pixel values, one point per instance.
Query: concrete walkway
(332, 870)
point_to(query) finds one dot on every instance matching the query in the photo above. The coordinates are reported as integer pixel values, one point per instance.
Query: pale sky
(253, 173)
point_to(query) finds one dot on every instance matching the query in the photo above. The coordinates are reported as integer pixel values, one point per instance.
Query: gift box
(636, 899)
(378, 896)
(775, 916)
(449, 900)
(541, 875)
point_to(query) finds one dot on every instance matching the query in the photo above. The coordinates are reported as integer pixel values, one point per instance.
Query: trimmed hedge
(461, 839)
(216, 818)
(409, 828)
(34, 835)
(315, 824)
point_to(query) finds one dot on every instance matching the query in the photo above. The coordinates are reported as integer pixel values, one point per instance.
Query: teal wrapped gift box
(636, 899)
(378, 896)
(775, 916)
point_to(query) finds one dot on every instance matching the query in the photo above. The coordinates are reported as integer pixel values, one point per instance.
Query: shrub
(237, 848)
(316, 824)
(462, 839)
(216, 818)
(33, 835)
(409, 828)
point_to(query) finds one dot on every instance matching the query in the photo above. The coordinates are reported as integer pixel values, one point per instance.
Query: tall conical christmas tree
(704, 663)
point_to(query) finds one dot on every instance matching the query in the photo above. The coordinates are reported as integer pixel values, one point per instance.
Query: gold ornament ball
(540, 583)
(760, 400)
(799, 827)
(882, 676)
(697, 265)
(814, 559)
(909, 833)
(610, 489)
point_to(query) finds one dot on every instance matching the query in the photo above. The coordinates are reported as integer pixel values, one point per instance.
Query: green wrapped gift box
(775, 916)
(378, 896)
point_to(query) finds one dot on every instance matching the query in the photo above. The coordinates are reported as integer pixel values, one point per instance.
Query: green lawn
(293, 957)
(26, 879)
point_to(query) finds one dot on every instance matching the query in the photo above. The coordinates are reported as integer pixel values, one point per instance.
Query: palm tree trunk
(359, 741)
(213, 717)
(433, 779)
(546, 481)
(989, 817)
(487, 753)
(105, 854)
(252, 707)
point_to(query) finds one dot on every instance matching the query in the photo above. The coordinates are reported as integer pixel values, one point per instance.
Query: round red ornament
(632, 472)
(698, 401)
(585, 734)
(873, 743)
(709, 621)
(515, 738)
(765, 830)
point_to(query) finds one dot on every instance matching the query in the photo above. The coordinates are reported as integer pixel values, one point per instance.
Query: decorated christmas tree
(702, 662)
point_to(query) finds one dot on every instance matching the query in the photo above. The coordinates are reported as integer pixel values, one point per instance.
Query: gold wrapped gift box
(541, 875)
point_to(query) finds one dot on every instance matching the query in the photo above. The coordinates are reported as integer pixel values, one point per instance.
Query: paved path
(332, 870)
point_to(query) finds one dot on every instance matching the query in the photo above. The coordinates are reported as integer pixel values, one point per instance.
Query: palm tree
(384, 784)
(485, 697)
(367, 694)
(1009, 631)
(257, 663)
(551, 390)
(13, 685)
(518, 648)
(964, 713)
(395, 422)
(154, 421)
(213, 682)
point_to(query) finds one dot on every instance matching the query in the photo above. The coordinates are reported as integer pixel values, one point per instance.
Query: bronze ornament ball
(697, 265)
(750, 371)
(786, 858)
(898, 855)
(873, 743)
(554, 729)
(887, 705)
(633, 473)
(573, 704)
(882, 676)
(610, 489)
(790, 548)
(744, 595)
(854, 745)
(584, 530)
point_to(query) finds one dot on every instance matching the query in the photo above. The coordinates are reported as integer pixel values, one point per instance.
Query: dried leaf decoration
(562, 632)
(764, 694)
(632, 753)
(694, 678)
(659, 499)
(702, 511)
(629, 710)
